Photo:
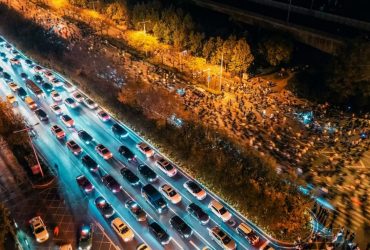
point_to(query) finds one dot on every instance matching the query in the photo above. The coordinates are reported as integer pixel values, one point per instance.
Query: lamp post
(28, 128)
(144, 29)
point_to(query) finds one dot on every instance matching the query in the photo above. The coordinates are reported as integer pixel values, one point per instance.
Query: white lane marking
(191, 242)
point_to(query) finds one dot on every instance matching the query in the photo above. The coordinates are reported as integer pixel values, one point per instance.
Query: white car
(219, 210)
(195, 190)
(170, 194)
(14, 61)
(56, 109)
(222, 239)
(13, 86)
(77, 96)
(48, 74)
(69, 87)
(37, 68)
(166, 167)
(56, 96)
(56, 82)
(122, 230)
(67, 120)
(103, 152)
(90, 103)
(71, 103)
(39, 229)
(58, 132)
(145, 149)
(103, 116)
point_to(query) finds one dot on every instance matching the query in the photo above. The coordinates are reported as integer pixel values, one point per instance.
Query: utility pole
(222, 65)
(28, 128)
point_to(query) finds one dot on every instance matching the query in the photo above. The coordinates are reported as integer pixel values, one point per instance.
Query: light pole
(208, 76)
(28, 128)
(144, 22)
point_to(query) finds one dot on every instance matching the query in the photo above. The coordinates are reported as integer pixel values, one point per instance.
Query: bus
(36, 90)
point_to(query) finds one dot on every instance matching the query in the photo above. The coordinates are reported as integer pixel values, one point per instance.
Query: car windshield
(90, 102)
(67, 118)
(172, 193)
(105, 151)
(39, 230)
(124, 229)
(194, 187)
(222, 210)
(226, 240)
(57, 130)
(146, 148)
(168, 167)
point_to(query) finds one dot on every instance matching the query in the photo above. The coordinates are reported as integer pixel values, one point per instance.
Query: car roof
(245, 228)
(216, 204)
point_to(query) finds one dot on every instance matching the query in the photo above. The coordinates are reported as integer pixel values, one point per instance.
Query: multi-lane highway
(69, 166)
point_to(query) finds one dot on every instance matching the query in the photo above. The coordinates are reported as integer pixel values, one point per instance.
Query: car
(22, 93)
(103, 116)
(56, 82)
(85, 237)
(159, 233)
(130, 176)
(119, 131)
(69, 87)
(84, 183)
(47, 87)
(181, 227)
(48, 74)
(145, 149)
(3, 55)
(14, 61)
(222, 239)
(103, 152)
(147, 173)
(90, 163)
(39, 229)
(6, 76)
(195, 190)
(24, 76)
(30, 103)
(219, 210)
(90, 103)
(56, 109)
(104, 207)
(143, 246)
(8, 47)
(111, 183)
(170, 193)
(166, 167)
(198, 213)
(13, 86)
(37, 78)
(74, 147)
(58, 132)
(246, 232)
(14, 52)
(28, 62)
(69, 102)
(41, 114)
(37, 68)
(135, 210)
(67, 120)
(127, 153)
(85, 137)
(77, 96)
(11, 99)
(56, 96)
(122, 230)
(1, 69)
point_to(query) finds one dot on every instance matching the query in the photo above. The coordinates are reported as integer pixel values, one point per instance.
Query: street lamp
(28, 128)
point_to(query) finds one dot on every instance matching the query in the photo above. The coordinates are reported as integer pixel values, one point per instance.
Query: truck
(154, 198)
(36, 90)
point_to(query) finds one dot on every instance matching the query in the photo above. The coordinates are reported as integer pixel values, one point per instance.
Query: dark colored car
(135, 210)
(85, 137)
(147, 173)
(22, 93)
(47, 87)
(90, 163)
(41, 115)
(104, 207)
(127, 153)
(6, 75)
(130, 176)
(198, 213)
(159, 233)
(24, 76)
(37, 78)
(84, 183)
(181, 227)
(119, 131)
(28, 62)
(85, 237)
(111, 183)
(1, 69)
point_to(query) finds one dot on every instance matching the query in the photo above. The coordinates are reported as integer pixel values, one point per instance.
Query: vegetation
(6, 226)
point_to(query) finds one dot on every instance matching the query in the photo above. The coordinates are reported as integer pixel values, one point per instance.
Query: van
(30, 103)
